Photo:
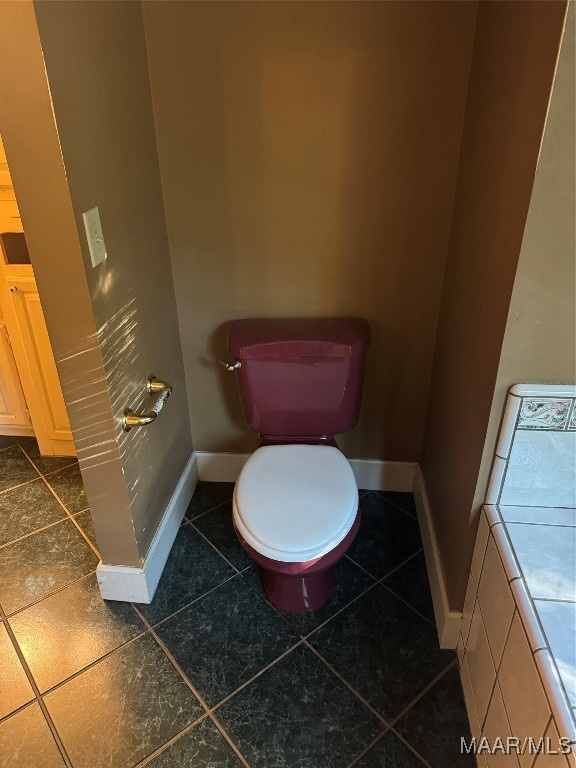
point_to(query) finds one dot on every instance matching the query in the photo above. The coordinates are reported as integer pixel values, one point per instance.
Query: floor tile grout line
(173, 661)
(423, 692)
(172, 740)
(368, 747)
(214, 547)
(155, 624)
(50, 594)
(19, 485)
(408, 605)
(228, 738)
(64, 507)
(410, 747)
(36, 690)
(206, 511)
(346, 683)
(24, 536)
(397, 506)
(94, 663)
(339, 611)
(73, 460)
(256, 676)
(17, 711)
(401, 565)
(349, 557)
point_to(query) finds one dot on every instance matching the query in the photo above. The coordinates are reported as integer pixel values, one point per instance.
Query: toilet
(295, 505)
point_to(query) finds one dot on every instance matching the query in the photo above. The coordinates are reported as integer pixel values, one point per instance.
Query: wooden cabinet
(10, 220)
(14, 415)
(34, 359)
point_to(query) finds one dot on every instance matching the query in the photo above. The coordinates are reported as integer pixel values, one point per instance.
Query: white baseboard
(447, 622)
(137, 585)
(370, 474)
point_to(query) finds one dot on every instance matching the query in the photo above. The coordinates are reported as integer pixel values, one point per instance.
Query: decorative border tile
(544, 413)
(572, 419)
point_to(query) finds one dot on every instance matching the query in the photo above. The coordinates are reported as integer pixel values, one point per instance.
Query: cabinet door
(33, 354)
(14, 418)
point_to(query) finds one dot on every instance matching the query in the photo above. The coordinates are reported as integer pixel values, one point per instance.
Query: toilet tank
(300, 377)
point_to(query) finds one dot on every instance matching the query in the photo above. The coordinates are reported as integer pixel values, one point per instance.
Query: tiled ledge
(517, 648)
(509, 673)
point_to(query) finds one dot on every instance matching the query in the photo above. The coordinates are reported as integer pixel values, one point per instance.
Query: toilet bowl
(295, 511)
(296, 500)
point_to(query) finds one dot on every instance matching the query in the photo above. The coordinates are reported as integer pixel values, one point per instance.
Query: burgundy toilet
(296, 500)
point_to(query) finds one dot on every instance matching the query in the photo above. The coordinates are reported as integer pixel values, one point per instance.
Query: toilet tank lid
(259, 338)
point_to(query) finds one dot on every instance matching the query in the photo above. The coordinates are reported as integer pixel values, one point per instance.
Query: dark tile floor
(210, 675)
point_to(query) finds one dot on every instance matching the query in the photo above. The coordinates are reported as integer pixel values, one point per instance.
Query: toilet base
(301, 587)
(299, 593)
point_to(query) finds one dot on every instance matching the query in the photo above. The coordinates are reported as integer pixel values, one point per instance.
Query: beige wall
(540, 337)
(96, 64)
(31, 141)
(308, 154)
(511, 75)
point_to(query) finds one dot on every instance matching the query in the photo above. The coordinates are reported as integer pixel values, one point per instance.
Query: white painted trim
(370, 474)
(373, 475)
(137, 585)
(447, 622)
(220, 467)
(543, 390)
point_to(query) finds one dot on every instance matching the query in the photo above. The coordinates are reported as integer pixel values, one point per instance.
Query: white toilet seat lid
(294, 503)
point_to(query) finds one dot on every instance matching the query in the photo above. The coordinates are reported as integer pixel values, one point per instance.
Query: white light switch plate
(95, 236)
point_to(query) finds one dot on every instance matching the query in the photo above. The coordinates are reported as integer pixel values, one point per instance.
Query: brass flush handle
(154, 386)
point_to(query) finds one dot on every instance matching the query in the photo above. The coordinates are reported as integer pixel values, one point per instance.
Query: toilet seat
(295, 503)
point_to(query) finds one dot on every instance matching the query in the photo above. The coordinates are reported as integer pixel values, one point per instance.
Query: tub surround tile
(496, 479)
(498, 727)
(351, 581)
(386, 538)
(38, 565)
(44, 464)
(218, 528)
(528, 615)
(526, 704)
(298, 714)
(390, 752)
(480, 664)
(435, 725)
(539, 515)
(506, 551)
(67, 484)
(556, 695)
(410, 583)
(15, 468)
(203, 746)
(548, 760)
(193, 568)
(475, 569)
(27, 508)
(559, 622)
(508, 426)
(572, 419)
(384, 649)
(496, 601)
(122, 709)
(469, 699)
(15, 689)
(546, 555)
(25, 740)
(224, 639)
(207, 496)
(64, 633)
(541, 470)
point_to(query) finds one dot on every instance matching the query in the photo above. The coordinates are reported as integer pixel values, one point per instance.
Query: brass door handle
(154, 386)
